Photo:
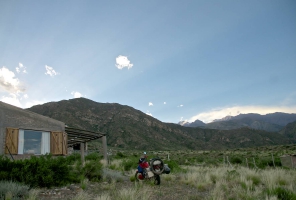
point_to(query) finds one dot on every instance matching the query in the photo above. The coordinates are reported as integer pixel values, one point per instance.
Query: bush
(236, 160)
(267, 162)
(93, 156)
(72, 158)
(43, 171)
(120, 155)
(93, 170)
(173, 165)
(282, 193)
(130, 163)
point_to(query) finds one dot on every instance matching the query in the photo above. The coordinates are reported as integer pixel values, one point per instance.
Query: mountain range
(129, 128)
(273, 122)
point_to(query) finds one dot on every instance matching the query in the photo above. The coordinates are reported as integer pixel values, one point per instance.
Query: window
(33, 142)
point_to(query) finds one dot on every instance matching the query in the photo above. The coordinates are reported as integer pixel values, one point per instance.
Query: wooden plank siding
(58, 143)
(11, 140)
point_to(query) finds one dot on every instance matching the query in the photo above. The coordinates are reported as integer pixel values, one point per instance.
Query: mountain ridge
(129, 128)
(273, 122)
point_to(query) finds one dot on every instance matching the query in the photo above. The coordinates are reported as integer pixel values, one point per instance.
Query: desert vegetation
(254, 173)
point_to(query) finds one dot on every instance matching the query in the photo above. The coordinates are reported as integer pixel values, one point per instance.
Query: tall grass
(13, 190)
(241, 182)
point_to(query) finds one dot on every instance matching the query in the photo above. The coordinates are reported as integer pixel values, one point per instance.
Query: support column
(104, 141)
(82, 152)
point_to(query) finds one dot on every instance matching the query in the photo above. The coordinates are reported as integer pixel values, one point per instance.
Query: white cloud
(9, 82)
(150, 104)
(164, 102)
(12, 99)
(122, 61)
(33, 103)
(148, 113)
(76, 94)
(26, 96)
(180, 105)
(50, 71)
(219, 113)
(21, 68)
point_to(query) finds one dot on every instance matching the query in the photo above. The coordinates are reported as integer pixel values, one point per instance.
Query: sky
(173, 60)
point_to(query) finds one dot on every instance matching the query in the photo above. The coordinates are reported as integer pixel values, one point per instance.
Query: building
(24, 133)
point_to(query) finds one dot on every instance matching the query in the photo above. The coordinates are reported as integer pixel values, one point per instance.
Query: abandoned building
(24, 133)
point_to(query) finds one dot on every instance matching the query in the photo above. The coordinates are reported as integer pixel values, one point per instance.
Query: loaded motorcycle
(151, 170)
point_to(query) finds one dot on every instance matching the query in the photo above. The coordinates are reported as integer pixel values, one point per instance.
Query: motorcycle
(152, 170)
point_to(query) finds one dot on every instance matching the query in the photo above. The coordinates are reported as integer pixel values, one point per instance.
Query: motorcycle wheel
(160, 167)
(137, 177)
(157, 180)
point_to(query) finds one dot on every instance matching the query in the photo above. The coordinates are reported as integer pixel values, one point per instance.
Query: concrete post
(104, 141)
(82, 152)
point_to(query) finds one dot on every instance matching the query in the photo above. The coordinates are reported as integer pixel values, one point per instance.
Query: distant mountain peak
(196, 123)
(228, 117)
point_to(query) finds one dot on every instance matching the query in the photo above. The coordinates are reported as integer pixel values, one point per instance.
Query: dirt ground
(167, 190)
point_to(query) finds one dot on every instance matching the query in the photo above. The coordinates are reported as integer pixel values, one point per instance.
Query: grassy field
(254, 173)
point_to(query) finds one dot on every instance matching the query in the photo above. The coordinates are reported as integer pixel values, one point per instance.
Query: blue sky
(174, 60)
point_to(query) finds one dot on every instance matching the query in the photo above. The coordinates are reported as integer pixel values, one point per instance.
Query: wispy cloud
(164, 102)
(21, 68)
(180, 106)
(76, 94)
(50, 71)
(123, 61)
(219, 113)
(150, 104)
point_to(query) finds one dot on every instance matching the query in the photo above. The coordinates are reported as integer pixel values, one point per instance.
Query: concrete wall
(14, 117)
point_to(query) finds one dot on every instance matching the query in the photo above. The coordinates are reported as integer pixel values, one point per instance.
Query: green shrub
(282, 193)
(43, 171)
(236, 160)
(93, 170)
(72, 158)
(267, 162)
(130, 163)
(120, 155)
(200, 159)
(173, 165)
(93, 156)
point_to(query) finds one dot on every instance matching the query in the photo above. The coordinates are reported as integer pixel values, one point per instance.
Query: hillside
(245, 122)
(132, 129)
(290, 131)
